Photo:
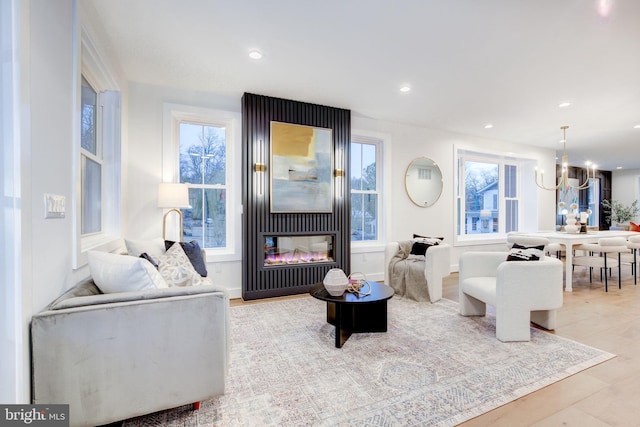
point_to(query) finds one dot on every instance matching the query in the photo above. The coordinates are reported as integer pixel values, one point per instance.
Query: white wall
(405, 218)
(625, 187)
(47, 163)
(142, 217)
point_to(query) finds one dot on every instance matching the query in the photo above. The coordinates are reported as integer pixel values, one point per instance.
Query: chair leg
(619, 271)
(606, 283)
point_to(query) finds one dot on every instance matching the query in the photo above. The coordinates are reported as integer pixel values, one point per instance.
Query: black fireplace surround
(301, 233)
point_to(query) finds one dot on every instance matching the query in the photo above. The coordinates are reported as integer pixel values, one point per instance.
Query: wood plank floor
(605, 395)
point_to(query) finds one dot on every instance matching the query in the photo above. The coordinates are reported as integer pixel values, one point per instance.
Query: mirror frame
(436, 181)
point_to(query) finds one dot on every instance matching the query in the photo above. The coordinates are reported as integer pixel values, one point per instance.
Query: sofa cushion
(177, 270)
(84, 289)
(482, 288)
(123, 273)
(153, 247)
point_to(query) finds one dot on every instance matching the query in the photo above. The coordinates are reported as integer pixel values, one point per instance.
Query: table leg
(568, 267)
(342, 333)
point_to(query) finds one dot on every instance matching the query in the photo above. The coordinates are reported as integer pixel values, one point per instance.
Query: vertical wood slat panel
(257, 282)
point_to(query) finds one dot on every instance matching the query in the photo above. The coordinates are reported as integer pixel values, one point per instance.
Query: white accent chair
(436, 266)
(633, 243)
(599, 256)
(521, 292)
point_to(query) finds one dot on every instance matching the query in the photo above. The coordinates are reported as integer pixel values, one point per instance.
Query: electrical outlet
(54, 206)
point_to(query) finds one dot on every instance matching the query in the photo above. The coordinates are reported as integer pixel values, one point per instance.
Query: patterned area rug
(432, 367)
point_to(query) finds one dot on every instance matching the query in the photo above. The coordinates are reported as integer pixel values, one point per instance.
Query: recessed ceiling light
(636, 127)
(255, 54)
(564, 104)
(405, 88)
(488, 126)
(618, 167)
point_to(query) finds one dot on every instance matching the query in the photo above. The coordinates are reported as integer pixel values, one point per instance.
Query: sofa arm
(437, 266)
(535, 283)
(390, 250)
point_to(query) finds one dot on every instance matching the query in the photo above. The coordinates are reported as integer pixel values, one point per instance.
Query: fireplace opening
(296, 250)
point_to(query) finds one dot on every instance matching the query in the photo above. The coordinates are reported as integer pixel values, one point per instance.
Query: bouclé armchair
(520, 291)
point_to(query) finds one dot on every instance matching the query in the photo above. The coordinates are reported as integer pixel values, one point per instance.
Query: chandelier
(563, 179)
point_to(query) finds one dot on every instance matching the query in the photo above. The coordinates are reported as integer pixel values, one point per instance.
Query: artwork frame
(301, 168)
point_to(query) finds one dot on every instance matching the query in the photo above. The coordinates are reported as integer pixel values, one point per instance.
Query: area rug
(432, 367)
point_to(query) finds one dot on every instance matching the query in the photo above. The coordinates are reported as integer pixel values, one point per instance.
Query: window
(91, 161)
(488, 196)
(199, 151)
(203, 164)
(97, 151)
(365, 189)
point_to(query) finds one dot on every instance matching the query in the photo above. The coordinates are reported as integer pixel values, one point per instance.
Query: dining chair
(597, 257)
(633, 243)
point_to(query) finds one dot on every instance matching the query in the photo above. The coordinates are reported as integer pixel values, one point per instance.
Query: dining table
(570, 240)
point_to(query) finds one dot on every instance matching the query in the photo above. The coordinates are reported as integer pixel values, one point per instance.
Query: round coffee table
(352, 313)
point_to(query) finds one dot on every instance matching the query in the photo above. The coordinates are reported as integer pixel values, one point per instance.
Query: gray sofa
(117, 356)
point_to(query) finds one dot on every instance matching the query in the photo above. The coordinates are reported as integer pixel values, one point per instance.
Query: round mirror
(423, 181)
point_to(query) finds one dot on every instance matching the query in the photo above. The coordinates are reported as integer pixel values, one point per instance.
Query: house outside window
(365, 176)
(488, 196)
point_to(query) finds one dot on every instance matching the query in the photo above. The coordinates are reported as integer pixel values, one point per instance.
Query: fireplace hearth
(296, 250)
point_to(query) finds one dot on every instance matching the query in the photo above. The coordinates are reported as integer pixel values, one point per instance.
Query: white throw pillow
(123, 273)
(177, 270)
(152, 247)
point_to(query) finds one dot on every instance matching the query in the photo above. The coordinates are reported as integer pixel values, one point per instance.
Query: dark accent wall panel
(258, 281)
(604, 178)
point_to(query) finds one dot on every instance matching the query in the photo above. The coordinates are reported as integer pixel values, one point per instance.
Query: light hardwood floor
(605, 395)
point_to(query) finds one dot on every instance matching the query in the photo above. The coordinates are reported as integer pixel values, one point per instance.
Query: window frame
(462, 155)
(379, 141)
(97, 73)
(173, 115)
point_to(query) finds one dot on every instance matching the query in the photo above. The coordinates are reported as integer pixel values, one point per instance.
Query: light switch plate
(54, 206)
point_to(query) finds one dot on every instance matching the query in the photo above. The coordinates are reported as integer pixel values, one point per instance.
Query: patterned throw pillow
(421, 244)
(194, 253)
(525, 253)
(177, 270)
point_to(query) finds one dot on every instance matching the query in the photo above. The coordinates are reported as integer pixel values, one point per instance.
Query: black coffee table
(352, 313)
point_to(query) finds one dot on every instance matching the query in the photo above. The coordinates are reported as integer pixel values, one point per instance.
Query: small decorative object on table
(335, 282)
(357, 281)
(571, 221)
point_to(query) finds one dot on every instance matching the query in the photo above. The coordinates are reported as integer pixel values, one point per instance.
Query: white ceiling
(468, 62)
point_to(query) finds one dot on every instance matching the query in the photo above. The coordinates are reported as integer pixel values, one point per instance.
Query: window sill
(367, 247)
(100, 242)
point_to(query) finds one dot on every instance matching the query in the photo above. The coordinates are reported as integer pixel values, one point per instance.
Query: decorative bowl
(335, 282)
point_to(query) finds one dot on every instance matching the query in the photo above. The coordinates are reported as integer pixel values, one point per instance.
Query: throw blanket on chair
(406, 273)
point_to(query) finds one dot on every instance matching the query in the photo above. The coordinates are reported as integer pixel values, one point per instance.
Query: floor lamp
(173, 196)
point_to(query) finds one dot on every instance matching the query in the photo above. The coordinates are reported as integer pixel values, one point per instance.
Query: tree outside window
(364, 191)
(203, 163)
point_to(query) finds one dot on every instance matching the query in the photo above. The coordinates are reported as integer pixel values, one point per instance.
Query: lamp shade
(173, 195)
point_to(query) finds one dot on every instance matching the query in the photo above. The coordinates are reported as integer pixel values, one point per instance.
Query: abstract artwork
(301, 168)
